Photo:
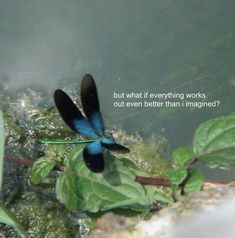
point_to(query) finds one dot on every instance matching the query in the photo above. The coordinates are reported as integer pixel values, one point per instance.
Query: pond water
(161, 46)
(157, 52)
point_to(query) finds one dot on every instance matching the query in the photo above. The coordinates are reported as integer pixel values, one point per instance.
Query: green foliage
(41, 169)
(163, 197)
(194, 181)
(42, 216)
(185, 180)
(55, 152)
(181, 156)
(73, 155)
(214, 142)
(213, 145)
(7, 218)
(177, 176)
(80, 189)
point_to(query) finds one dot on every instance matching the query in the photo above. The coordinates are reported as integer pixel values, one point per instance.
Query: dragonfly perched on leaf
(91, 125)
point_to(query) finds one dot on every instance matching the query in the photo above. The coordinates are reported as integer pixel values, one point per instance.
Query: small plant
(122, 185)
(213, 145)
(80, 189)
(5, 216)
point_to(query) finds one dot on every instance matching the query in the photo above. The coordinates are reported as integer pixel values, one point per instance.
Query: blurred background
(128, 46)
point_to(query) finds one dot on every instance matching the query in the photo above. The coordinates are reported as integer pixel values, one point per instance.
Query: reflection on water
(162, 46)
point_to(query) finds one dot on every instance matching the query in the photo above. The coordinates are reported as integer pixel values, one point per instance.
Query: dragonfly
(90, 124)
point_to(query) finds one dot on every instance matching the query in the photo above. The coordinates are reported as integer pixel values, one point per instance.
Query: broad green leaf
(7, 218)
(80, 189)
(194, 182)
(182, 155)
(152, 192)
(67, 190)
(177, 176)
(163, 197)
(1, 150)
(41, 169)
(214, 142)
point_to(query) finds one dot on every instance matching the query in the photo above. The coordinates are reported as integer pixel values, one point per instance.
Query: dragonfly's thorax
(107, 139)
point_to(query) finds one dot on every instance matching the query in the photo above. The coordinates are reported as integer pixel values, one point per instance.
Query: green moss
(150, 156)
(42, 216)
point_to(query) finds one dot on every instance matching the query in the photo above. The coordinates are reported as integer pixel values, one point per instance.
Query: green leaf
(41, 169)
(1, 150)
(194, 182)
(182, 155)
(74, 155)
(163, 197)
(80, 189)
(214, 142)
(55, 152)
(177, 176)
(7, 218)
(176, 192)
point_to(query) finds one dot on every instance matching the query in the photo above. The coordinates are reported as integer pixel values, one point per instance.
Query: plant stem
(28, 162)
(153, 181)
(140, 179)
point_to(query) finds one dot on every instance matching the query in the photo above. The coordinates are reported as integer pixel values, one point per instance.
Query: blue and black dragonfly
(91, 125)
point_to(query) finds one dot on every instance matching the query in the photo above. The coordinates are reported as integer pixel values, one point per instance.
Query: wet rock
(209, 213)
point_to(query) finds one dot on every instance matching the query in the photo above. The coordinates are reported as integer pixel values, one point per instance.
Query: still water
(179, 47)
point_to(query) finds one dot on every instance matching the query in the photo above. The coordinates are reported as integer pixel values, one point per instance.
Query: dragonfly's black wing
(93, 156)
(90, 103)
(71, 114)
(110, 144)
